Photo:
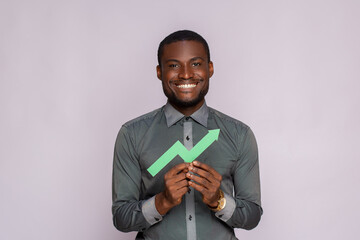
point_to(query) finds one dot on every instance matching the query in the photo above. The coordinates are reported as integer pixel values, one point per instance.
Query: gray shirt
(234, 155)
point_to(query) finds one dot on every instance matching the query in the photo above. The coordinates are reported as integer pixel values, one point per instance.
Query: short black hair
(182, 35)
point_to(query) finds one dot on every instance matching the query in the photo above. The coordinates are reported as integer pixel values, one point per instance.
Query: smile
(192, 85)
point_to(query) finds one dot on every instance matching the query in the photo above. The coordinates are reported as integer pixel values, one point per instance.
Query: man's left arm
(248, 211)
(244, 209)
(130, 213)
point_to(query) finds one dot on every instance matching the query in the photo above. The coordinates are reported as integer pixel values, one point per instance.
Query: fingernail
(196, 162)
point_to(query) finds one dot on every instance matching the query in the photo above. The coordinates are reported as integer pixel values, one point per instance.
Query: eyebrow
(196, 58)
(171, 60)
(192, 59)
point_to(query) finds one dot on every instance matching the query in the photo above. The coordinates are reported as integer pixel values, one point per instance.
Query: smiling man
(184, 69)
(185, 171)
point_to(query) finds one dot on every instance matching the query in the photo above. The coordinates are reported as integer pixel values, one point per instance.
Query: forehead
(183, 50)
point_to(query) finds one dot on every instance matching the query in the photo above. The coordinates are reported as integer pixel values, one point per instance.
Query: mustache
(187, 81)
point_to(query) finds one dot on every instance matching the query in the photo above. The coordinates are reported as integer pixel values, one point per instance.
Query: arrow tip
(215, 133)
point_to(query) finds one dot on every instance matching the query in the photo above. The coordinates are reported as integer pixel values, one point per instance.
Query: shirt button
(187, 138)
(187, 118)
(190, 217)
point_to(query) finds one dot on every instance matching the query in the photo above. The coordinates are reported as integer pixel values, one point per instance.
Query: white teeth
(186, 86)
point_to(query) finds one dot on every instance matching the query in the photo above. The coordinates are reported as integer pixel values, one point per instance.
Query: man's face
(185, 73)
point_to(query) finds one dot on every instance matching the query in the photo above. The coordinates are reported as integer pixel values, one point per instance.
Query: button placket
(190, 197)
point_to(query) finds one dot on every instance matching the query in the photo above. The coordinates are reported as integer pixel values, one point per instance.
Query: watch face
(222, 203)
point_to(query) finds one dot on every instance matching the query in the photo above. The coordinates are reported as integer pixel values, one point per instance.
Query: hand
(207, 183)
(176, 185)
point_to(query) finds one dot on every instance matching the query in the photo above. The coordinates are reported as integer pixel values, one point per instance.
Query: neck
(187, 111)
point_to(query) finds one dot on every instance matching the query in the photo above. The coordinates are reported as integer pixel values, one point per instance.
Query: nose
(186, 73)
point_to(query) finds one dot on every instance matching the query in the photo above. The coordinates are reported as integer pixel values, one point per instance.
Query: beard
(185, 104)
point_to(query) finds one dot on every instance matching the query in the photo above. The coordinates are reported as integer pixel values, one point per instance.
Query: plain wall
(73, 71)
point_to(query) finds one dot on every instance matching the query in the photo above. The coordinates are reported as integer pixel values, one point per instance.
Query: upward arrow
(179, 149)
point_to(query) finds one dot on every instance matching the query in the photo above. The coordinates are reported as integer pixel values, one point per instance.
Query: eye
(196, 64)
(173, 65)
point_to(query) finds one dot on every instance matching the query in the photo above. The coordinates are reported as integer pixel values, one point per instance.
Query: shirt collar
(172, 115)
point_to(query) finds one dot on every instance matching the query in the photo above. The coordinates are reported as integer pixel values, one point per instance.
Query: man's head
(182, 35)
(184, 69)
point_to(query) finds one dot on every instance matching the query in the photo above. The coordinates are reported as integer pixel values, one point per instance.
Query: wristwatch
(221, 202)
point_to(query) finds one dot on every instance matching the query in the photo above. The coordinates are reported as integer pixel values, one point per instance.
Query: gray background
(72, 72)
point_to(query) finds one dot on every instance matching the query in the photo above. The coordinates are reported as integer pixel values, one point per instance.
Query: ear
(211, 69)
(158, 72)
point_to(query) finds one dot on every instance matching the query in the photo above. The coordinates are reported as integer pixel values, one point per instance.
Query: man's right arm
(176, 185)
(129, 212)
(127, 206)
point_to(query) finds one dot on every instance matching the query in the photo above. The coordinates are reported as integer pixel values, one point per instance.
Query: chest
(219, 152)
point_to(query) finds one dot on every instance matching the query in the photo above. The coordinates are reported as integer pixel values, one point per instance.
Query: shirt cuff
(226, 213)
(149, 211)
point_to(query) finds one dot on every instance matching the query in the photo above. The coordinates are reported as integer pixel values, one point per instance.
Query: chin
(183, 103)
(186, 104)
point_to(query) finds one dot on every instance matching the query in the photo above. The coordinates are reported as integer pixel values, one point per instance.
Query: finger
(181, 184)
(199, 180)
(199, 188)
(181, 192)
(175, 179)
(173, 189)
(208, 168)
(204, 174)
(176, 169)
(176, 196)
(208, 197)
(185, 170)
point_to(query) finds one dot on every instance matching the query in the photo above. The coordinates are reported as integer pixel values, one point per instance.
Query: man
(158, 190)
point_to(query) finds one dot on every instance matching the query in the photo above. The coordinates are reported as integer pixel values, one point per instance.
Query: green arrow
(179, 149)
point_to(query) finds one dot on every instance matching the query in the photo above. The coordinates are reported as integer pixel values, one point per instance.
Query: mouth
(187, 85)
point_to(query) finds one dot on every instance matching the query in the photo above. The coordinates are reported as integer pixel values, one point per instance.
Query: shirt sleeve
(129, 212)
(150, 212)
(247, 210)
(226, 213)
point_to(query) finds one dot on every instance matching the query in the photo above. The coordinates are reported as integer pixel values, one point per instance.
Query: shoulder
(134, 129)
(234, 130)
(143, 119)
(227, 120)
